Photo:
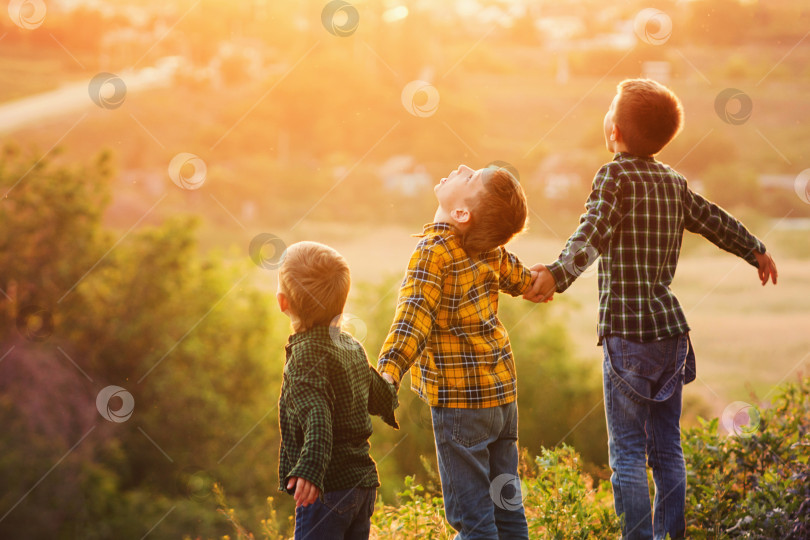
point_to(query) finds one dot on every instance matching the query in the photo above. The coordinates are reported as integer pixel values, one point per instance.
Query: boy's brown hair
(648, 115)
(498, 214)
(316, 280)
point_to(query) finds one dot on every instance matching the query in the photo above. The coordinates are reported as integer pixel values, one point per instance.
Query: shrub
(754, 485)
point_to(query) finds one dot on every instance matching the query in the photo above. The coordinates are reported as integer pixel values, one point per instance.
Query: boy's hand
(766, 267)
(535, 275)
(543, 286)
(388, 378)
(305, 491)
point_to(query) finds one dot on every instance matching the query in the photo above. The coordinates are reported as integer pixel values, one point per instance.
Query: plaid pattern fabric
(635, 218)
(446, 328)
(327, 393)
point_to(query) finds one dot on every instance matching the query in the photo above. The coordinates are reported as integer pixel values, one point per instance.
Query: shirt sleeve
(515, 277)
(417, 306)
(705, 218)
(593, 235)
(382, 399)
(311, 400)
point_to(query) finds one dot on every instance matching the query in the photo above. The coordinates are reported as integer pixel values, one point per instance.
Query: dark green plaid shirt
(635, 218)
(327, 393)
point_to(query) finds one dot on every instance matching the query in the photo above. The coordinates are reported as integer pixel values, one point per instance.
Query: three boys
(447, 333)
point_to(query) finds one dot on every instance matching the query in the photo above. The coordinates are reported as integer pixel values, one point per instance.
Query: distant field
(747, 338)
(30, 72)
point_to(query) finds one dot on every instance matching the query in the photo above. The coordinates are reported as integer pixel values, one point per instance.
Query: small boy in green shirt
(328, 391)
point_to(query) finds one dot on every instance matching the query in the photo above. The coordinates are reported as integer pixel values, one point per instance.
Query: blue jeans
(478, 466)
(342, 515)
(643, 384)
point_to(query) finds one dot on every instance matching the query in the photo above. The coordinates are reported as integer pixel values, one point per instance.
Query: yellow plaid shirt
(446, 328)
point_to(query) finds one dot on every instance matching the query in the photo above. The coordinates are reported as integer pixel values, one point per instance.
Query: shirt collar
(316, 332)
(626, 156)
(438, 227)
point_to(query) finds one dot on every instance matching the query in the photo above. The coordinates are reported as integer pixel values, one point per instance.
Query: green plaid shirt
(635, 218)
(327, 393)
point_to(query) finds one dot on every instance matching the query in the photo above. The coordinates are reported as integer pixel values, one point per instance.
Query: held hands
(766, 267)
(543, 285)
(305, 491)
(388, 378)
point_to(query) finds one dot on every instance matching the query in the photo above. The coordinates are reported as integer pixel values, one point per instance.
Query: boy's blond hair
(316, 280)
(497, 214)
(648, 115)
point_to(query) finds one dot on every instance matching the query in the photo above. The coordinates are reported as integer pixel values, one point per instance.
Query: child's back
(328, 385)
(635, 218)
(327, 393)
(640, 208)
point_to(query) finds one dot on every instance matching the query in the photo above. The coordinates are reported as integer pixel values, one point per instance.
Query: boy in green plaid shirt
(634, 219)
(328, 391)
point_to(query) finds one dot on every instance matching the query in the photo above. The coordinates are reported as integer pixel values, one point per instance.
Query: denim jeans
(478, 466)
(643, 385)
(339, 515)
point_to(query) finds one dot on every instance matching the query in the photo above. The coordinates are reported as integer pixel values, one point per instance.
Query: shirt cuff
(525, 285)
(560, 275)
(390, 367)
(388, 415)
(759, 247)
(300, 471)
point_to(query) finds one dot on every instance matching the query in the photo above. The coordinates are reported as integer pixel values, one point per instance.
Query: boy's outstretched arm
(707, 219)
(418, 303)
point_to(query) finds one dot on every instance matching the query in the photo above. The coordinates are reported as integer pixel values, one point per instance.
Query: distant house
(403, 175)
(557, 175)
(784, 182)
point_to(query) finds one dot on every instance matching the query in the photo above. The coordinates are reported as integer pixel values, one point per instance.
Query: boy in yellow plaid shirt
(446, 331)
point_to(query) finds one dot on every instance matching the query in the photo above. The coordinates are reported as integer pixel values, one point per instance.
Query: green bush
(752, 486)
(756, 485)
(559, 499)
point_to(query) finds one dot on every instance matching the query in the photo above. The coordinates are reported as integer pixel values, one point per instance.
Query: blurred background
(146, 144)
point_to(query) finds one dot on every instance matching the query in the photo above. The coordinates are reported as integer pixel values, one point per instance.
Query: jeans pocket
(510, 412)
(644, 359)
(343, 501)
(472, 426)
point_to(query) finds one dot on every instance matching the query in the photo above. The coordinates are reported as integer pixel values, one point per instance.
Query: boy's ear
(283, 303)
(615, 134)
(460, 215)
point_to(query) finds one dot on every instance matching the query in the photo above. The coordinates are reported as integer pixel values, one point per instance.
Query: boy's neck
(298, 328)
(442, 216)
(619, 146)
